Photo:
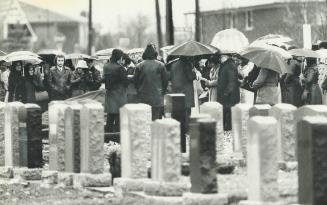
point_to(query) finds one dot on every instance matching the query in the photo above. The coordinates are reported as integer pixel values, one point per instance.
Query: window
(248, 20)
(233, 20)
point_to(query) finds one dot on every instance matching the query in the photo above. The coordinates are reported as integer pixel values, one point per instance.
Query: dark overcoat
(228, 91)
(60, 83)
(115, 77)
(181, 77)
(150, 80)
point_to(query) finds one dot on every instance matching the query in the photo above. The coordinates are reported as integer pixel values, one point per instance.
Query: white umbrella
(230, 41)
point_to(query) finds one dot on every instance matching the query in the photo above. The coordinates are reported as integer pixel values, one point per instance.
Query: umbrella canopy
(191, 49)
(23, 56)
(274, 39)
(230, 41)
(302, 52)
(270, 57)
(104, 52)
(135, 50)
(77, 56)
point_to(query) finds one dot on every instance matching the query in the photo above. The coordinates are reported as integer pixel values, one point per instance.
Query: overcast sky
(106, 12)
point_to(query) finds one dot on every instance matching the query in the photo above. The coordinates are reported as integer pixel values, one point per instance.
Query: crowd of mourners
(226, 78)
(42, 83)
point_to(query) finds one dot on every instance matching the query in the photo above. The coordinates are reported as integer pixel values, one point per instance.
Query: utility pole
(169, 23)
(197, 21)
(159, 33)
(90, 36)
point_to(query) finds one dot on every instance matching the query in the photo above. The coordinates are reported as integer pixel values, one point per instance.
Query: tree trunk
(169, 23)
(197, 21)
(159, 33)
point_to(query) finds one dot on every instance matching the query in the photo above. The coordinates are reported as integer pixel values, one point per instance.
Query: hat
(81, 64)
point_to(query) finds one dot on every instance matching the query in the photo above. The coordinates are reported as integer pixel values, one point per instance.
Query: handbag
(41, 96)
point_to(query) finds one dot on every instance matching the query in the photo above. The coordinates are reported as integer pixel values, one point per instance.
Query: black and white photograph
(163, 102)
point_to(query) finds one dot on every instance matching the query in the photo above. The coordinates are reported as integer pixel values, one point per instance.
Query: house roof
(216, 5)
(36, 14)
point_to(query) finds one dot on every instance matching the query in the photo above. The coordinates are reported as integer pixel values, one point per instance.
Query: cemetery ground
(13, 191)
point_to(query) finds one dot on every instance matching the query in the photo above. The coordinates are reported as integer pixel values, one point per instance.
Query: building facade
(259, 18)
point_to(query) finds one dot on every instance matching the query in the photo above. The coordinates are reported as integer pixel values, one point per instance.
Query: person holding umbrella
(228, 91)
(81, 79)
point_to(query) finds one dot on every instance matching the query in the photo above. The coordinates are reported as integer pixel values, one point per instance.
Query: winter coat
(81, 80)
(15, 86)
(150, 80)
(115, 77)
(95, 84)
(60, 83)
(228, 91)
(267, 87)
(181, 77)
(32, 85)
(312, 92)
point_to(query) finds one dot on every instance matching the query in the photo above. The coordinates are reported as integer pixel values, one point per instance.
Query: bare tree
(159, 33)
(169, 23)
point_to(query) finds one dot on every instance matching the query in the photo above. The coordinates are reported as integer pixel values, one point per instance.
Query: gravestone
(174, 106)
(259, 110)
(310, 110)
(92, 138)
(135, 120)
(166, 157)
(224, 145)
(2, 133)
(285, 116)
(312, 146)
(166, 160)
(34, 138)
(15, 137)
(262, 161)
(61, 150)
(203, 156)
(240, 118)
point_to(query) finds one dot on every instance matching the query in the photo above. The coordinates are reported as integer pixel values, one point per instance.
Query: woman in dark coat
(151, 81)
(32, 83)
(312, 92)
(292, 86)
(16, 82)
(228, 91)
(115, 77)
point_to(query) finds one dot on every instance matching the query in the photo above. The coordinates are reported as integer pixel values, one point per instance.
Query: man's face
(60, 62)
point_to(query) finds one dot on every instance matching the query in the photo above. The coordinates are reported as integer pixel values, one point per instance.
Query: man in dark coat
(151, 81)
(228, 91)
(60, 80)
(181, 77)
(96, 76)
(115, 78)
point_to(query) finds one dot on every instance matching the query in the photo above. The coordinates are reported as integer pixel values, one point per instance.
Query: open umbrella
(23, 56)
(77, 56)
(322, 53)
(274, 39)
(191, 49)
(230, 41)
(270, 57)
(302, 52)
(104, 52)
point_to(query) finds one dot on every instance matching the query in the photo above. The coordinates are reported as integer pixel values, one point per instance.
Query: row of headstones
(76, 139)
(20, 135)
(165, 185)
(287, 117)
(263, 152)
